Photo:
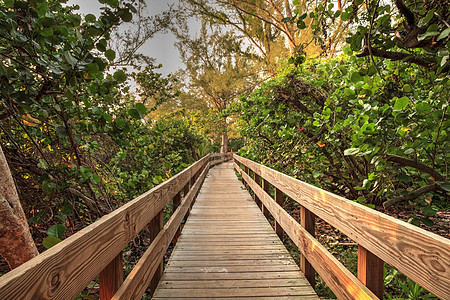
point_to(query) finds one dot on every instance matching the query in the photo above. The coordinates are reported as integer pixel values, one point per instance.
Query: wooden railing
(421, 255)
(63, 271)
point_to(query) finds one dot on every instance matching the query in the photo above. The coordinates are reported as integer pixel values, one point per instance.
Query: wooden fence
(63, 271)
(421, 255)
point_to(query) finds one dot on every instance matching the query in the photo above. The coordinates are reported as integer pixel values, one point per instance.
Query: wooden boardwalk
(227, 249)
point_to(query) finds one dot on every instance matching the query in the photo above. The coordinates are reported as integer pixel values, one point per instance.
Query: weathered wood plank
(238, 292)
(212, 284)
(340, 280)
(417, 253)
(371, 271)
(52, 275)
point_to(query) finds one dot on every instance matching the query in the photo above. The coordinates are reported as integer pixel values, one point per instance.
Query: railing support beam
(257, 179)
(266, 187)
(279, 199)
(176, 203)
(155, 227)
(111, 278)
(371, 271)
(307, 221)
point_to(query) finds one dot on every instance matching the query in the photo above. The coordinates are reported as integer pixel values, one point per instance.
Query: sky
(161, 47)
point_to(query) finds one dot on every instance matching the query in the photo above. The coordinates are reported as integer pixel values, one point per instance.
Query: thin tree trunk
(16, 243)
(224, 148)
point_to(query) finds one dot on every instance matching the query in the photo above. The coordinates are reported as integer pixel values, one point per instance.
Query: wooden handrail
(419, 254)
(64, 270)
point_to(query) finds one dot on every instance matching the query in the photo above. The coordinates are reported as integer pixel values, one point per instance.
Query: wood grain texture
(340, 280)
(63, 271)
(227, 249)
(139, 278)
(417, 253)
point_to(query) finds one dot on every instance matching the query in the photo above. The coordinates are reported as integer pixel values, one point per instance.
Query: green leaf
(427, 34)
(348, 50)
(429, 211)
(90, 18)
(48, 187)
(110, 54)
(427, 221)
(141, 108)
(134, 113)
(50, 241)
(126, 16)
(315, 173)
(96, 179)
(69, 58)
(423, 107)
(67, 209)
(444, 34)
(444, 185)
(351, 151)
(120, 76)
(56, 230)
(407, 88)
(61, 131)
(113, 3)
(47, 32)
(120, 124)
(101, 45)
(8, 3)
(356, 77)
(401, 103)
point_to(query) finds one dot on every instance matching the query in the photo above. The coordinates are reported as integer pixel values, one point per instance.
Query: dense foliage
(77, 143)
(338, 124)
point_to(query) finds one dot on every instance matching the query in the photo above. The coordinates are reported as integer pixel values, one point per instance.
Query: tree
(14, 231)
(217, 70)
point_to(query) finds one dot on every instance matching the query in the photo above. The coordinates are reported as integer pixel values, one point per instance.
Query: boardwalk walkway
(228, 249)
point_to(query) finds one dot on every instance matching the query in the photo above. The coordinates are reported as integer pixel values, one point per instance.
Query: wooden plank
(137, 281)
(371, 271)
(52, 275)
(340, 280)
(111, 278)
(303, 297)
(213, 284)
(215, 263)
(231, 276)
(417, 253)
(238, 292)
(232, 269)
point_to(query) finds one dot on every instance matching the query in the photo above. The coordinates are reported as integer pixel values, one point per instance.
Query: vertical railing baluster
(266, 188)
(371, 271)
(307, 221)
(279, 199)
(155, 227)
(176, 203)
(111, 278)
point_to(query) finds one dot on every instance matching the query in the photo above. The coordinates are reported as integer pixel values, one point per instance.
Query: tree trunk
(16, 243)
(224, 147)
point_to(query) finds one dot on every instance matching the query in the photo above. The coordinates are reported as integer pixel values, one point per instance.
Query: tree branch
(395, 56)
(412, 195)
(417, 165)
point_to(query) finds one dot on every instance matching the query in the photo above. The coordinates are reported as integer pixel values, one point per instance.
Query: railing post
(246, 172)
(256, 178)
(371, 271)
(176, 202)
(155, 227)
(111, 278)
(266, 188)
(279, 199)
(307, 221)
